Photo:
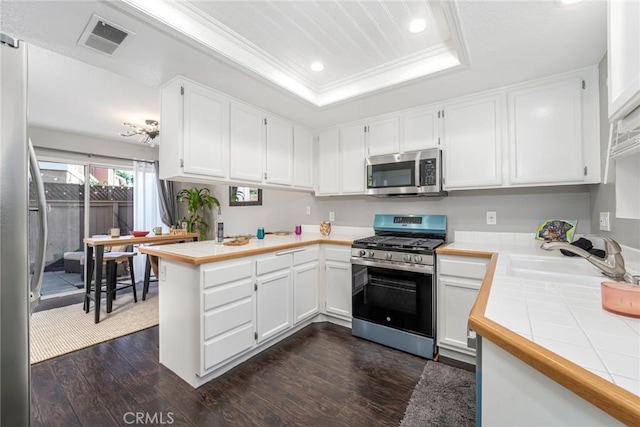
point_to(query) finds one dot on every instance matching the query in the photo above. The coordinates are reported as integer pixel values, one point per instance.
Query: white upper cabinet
(472, 136)
(194, 124)
(246, 143)
(206, 131)
(383, 136)
(553, 130)
(328, 159)
(545, 133)
(279, 151)
(302, 157)
(352, 159)
(420, 130)
(623, 57)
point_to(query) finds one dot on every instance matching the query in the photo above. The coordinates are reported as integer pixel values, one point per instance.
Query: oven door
(394, 297)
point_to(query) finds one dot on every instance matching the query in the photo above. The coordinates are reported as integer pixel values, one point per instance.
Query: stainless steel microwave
(416, 173)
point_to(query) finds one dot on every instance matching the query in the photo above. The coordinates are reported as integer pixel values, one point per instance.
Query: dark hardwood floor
(321, 376)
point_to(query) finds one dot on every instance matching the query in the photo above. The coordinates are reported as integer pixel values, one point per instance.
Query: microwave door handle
(418, 174)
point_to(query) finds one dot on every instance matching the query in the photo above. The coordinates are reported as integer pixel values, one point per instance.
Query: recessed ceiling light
(317, 66)
(417, 25)
(567, 2)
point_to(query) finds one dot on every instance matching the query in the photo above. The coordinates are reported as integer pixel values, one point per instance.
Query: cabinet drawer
(227, 318)
(227, 293)
(337, 254)
(213, 276)
(274, 263)
(309, 254)
(472, 268)
(227, 346)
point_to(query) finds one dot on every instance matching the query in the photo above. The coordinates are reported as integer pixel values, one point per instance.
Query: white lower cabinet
(273, 304)
(337, 281)
(459, 279)
(217, 315)
(227, 312)
(305, 291)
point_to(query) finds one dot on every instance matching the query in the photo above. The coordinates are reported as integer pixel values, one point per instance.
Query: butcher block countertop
(555, 323)
(197, 253)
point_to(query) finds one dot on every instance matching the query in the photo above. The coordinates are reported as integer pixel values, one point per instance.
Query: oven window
(400, 174)
(394, 298)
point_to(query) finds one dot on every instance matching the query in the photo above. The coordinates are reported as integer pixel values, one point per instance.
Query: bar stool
(111, 260)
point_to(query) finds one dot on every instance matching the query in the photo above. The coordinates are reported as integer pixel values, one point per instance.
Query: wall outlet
(332, 216)
(492, 218)
(308, 210)
(605, 225)
(163, 272)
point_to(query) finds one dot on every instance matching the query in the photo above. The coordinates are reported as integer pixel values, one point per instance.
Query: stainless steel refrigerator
(19, 287)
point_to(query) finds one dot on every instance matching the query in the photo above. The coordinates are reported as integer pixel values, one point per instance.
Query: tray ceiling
(364, 45)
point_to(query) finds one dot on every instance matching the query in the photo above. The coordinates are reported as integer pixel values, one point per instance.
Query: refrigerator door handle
(38, 269)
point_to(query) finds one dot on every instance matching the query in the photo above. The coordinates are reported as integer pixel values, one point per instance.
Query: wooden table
(99, 243)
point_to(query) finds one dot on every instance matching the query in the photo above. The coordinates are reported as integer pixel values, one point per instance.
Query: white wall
(46, 140)
(517, 210)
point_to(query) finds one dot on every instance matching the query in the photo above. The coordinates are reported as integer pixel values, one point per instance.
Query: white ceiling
(76, 89)
(364, 45)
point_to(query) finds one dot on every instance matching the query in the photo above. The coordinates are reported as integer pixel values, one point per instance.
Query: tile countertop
(197, 253)
(561, 312)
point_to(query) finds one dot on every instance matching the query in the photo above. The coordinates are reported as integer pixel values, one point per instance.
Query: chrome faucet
(612, 265)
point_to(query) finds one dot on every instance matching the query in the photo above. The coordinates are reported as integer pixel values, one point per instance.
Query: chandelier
(148, 133)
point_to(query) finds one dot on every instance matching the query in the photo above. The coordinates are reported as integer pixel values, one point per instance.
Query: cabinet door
(247, 143)
(545, 133)
(472, 137)
(623, 57)
(420, 130)
(279, 151)
(352, 159)
(383, 137)
(206, 132)
(273, 304)
(337, 279)
(456, 298)
(302, 158)
(305, 291)
(328, 156)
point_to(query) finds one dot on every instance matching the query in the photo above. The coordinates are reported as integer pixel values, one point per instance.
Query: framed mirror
(245, 196)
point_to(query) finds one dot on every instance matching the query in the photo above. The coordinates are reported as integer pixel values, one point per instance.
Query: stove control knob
(388, 256)
(417, 258)
(370, 254)
(361, 252)
(407, 258)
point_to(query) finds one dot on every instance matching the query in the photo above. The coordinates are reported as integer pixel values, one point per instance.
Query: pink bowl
(139, 233)
(621, 298)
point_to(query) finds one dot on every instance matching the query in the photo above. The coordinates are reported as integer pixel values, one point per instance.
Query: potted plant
(198, 200)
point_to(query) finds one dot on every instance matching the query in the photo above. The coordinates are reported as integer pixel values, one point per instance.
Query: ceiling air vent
(104, 36)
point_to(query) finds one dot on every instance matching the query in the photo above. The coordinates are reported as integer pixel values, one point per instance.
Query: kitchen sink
(570, 270)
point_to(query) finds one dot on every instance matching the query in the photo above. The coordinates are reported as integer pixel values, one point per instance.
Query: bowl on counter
(621, 298)
(139, 233)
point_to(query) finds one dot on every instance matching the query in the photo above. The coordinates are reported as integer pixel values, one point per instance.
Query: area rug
(444, 396)
(62, 330)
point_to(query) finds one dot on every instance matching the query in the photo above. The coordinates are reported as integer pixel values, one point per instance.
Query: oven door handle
(427, 269)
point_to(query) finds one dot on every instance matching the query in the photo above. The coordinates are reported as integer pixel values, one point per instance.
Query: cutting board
(236, 242)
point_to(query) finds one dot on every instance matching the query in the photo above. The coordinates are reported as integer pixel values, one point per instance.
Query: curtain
(167, 199)
(146, 212)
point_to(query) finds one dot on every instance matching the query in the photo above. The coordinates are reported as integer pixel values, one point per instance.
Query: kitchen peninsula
(221, 305)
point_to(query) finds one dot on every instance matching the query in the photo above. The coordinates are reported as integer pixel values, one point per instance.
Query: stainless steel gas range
(393, 282)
